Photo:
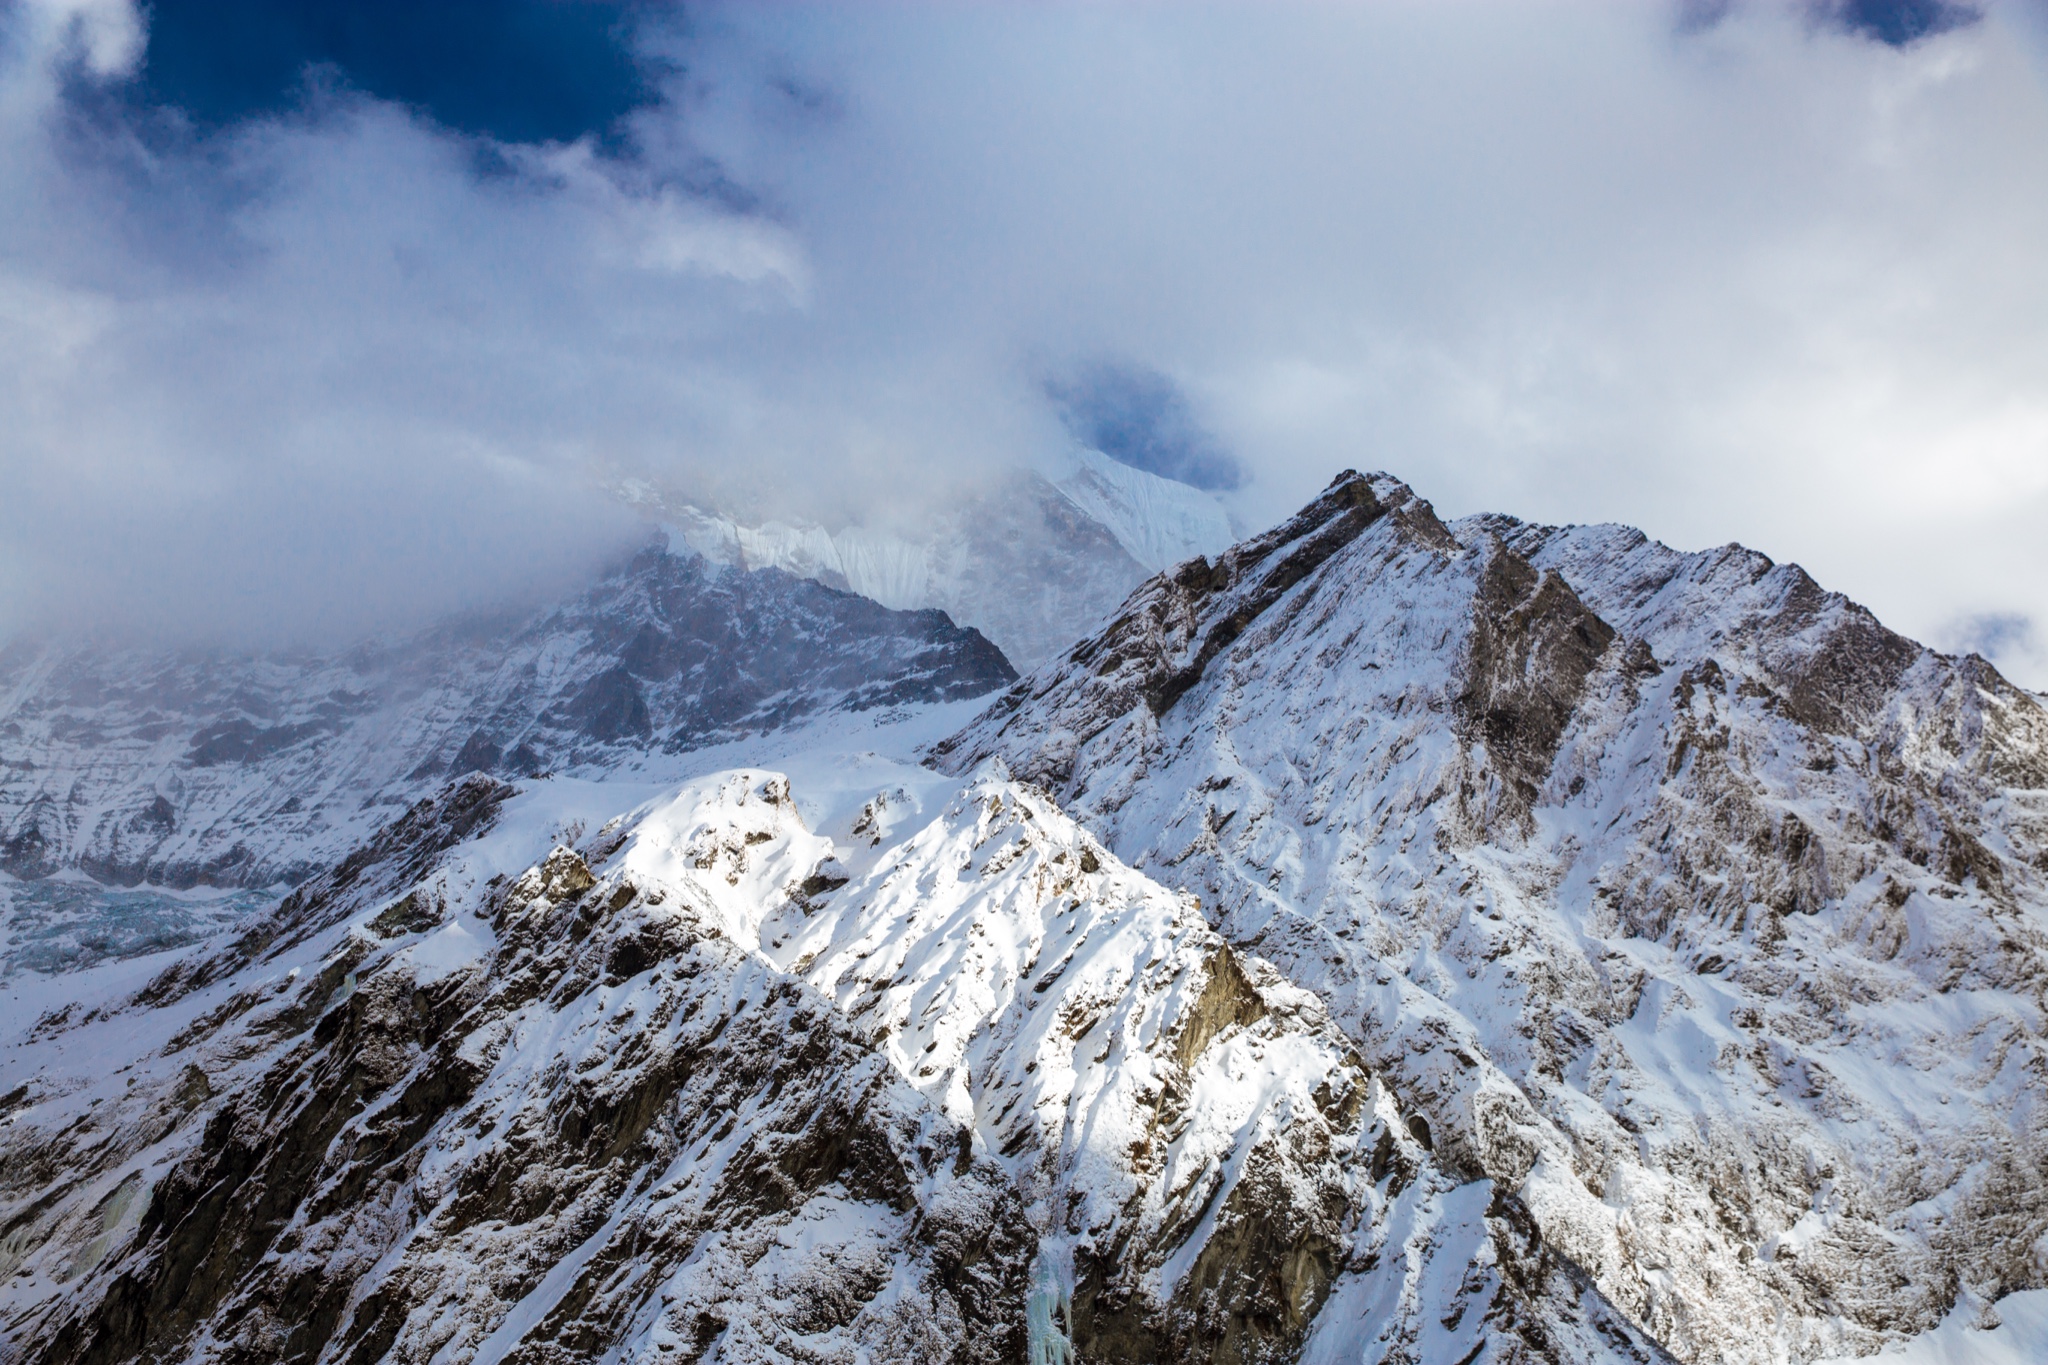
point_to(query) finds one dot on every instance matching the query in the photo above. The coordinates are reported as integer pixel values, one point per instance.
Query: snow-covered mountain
(137, 765)
(1681, 897)
(1032, 564)
(1159, 522)
(1381, 940)
(856, 1064)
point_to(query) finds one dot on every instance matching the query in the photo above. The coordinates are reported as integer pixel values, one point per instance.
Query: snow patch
(446, 951)
(2020, 1336)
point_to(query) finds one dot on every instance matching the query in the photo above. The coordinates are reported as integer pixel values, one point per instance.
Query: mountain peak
(1573, 830)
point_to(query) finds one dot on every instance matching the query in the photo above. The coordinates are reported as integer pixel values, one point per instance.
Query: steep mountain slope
(1032, 564)
(1685, 900)
(135, 765)
(927, 1076)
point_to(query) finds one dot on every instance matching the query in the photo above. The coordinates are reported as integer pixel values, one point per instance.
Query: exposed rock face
(1681, 899)
(936, 1083)
(179, 770)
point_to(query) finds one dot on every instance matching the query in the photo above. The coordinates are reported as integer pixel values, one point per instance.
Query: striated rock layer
(1683, 899)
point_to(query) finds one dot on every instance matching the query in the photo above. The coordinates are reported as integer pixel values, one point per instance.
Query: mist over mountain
(715, 683)
(311, 331)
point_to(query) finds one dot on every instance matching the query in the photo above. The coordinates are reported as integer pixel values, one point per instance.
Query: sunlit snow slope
(847, 1061)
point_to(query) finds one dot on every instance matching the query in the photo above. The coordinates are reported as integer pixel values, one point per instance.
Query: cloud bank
(351, 357)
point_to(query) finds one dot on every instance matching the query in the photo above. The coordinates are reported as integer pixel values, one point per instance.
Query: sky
(318, 320)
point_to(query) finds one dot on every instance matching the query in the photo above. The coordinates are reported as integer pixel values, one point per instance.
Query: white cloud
(1764, 282)
(107, 35)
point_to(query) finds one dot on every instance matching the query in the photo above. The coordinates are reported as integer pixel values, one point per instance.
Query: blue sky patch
(513, 70)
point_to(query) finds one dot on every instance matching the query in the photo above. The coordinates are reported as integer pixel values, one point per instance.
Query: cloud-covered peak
(1769, 280)
(1140, 417)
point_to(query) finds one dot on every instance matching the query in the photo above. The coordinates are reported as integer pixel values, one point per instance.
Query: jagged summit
(1684, 898)
(1530, 640)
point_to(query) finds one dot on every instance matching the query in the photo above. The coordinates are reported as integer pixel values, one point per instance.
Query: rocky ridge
(931, 1077)
(1682, 898)
(137, 765)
